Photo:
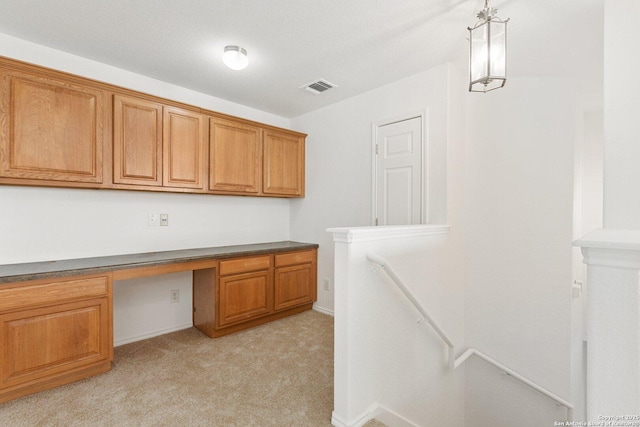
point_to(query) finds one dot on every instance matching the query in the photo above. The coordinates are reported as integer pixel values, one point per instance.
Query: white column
(613, 322)
(612, 255)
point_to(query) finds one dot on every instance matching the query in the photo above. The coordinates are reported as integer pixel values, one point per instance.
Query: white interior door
(398, 168)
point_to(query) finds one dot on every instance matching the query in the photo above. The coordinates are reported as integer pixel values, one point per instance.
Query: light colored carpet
(278, 374)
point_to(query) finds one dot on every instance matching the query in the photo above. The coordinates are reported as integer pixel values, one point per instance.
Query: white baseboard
(392, 419)
(337, 421)
(379, 412)
(323, 310)
(128, 340)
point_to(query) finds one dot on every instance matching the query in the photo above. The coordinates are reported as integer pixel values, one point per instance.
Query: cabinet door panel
(137, 141)
(294, 286)
(51, 130)
(243, 297)
(283, 164)
(184, 146)
(57, 339)
(234, 157)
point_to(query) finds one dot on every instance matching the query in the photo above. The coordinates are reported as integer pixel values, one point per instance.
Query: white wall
(621, 112)
(39, 224)
(590, 174)
(587, 215)
(142, 308)
(518, 230)
(339, 160)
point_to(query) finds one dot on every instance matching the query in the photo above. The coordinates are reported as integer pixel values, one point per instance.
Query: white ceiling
(356, 44)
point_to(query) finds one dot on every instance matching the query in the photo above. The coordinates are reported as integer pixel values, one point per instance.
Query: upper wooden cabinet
(51, 129)
(184, 146)
(234, 157)
(246, 159)
(61, 130)
(283, 164)
(157, 145)
(137, 141)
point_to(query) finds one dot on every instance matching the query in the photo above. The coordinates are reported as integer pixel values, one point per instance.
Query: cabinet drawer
(52, 292)
(244, 265)
(295, 258)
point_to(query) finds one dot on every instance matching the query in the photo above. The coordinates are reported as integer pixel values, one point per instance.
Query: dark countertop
(10, 273)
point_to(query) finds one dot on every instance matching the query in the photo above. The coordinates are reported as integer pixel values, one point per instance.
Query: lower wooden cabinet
(249, 291)
(53, 333)
(295, 279)
(59, 330)
(244, 297)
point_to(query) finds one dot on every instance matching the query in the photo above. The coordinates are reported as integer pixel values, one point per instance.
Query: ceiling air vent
(318, 86)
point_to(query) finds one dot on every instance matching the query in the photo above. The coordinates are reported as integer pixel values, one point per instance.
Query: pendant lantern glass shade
(487, 52)
(235, 57)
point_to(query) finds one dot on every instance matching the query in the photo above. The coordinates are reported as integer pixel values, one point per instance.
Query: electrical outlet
(174, 296)
(164, 220)
(327, 282)
(153, 219)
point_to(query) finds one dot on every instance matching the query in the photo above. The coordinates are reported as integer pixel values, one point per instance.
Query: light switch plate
(164, 220)
(153, 219)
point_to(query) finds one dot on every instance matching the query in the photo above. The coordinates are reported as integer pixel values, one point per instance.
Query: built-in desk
(56, 317)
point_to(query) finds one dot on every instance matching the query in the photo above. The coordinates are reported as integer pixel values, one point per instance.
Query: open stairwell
(389, 367)
(456, 362)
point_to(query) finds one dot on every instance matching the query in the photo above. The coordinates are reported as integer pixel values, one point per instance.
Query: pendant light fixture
(488, 51)
(235, 57)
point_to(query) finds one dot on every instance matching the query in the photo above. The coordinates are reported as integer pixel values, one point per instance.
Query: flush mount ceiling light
(235, 57)
(487, 51)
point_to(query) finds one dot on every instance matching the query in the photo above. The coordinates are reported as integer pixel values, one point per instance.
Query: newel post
(613, 322)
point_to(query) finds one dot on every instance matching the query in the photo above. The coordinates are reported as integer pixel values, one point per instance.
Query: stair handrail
(454, 362)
